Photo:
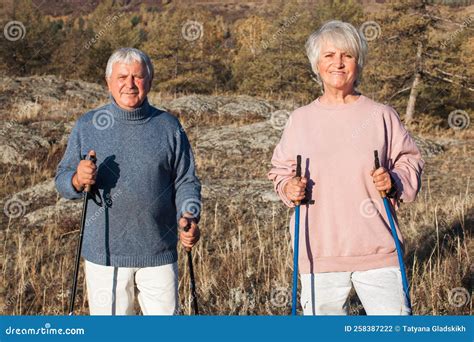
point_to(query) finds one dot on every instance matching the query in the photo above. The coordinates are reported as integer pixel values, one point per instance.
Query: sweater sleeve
(68, 165)
(404, 160)
(283, 163)
(186, 184)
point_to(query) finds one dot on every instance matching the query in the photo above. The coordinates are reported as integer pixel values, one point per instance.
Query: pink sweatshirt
(346, 229)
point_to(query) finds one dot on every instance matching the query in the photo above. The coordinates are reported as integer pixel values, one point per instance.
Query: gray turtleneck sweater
(146, 179)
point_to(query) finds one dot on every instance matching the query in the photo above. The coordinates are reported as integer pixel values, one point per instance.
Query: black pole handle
(92, 158)
(376, 159)
(298, 165)
(377, 165)
(191, 272)
(186, 229)
(188, 224)
(298, 173)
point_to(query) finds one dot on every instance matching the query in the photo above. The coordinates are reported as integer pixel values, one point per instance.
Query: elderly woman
(345, 239)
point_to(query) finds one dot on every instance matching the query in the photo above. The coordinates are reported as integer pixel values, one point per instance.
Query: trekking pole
(191, 275)
(386, 204)
(296, 241)
(86, 192)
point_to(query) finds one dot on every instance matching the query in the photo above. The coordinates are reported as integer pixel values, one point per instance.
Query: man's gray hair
(128, 56)
(345, 37)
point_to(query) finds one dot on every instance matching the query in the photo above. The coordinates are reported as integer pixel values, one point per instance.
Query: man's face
(129, 84)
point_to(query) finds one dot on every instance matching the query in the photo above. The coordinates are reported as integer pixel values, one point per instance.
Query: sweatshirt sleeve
(283, 163)
(404, 161)
(186, 184)
(68, 165)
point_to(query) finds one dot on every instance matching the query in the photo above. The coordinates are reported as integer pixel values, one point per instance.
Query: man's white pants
(111, 290)
(380, 291)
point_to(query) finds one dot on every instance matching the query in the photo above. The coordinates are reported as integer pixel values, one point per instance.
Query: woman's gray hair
(345, 37)
(128, 56)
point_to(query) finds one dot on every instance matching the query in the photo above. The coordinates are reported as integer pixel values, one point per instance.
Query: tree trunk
(410, 111)
(176, 62)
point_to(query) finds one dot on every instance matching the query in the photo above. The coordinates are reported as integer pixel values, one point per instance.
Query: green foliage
(259, 53)
(271, 57)
(188, 51)
(28, 46)
(393, 62)
(135, 20)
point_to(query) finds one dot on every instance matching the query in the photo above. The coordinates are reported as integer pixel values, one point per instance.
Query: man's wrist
(75, 183)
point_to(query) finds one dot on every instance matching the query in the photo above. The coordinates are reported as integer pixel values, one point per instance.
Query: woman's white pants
(380, 291)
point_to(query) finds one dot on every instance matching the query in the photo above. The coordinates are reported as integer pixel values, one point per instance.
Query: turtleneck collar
(136, 114)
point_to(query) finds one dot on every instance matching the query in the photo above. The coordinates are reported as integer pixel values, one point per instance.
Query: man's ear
(107, 82)
(149, 84)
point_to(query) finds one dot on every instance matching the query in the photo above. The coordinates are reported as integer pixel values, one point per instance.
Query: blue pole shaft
(295, 259)
(406, 288)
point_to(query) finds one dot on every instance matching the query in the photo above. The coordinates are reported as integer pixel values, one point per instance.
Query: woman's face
(337, 68)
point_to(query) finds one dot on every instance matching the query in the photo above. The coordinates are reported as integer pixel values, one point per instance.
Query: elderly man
(144, 185)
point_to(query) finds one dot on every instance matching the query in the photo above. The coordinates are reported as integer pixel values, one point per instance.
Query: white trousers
(380, 291)
(111, 290)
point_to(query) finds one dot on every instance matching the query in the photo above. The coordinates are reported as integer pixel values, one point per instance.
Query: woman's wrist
(392, 192)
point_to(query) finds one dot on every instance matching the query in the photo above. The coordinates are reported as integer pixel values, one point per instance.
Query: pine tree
(407, 62)
(272, 57)
(29, 40)
(111, 28)
(187, 50)
(252, 67)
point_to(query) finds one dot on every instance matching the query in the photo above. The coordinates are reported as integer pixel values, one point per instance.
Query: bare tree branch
(452, 75)
(447, 80)
(398, 92)
(463, 25)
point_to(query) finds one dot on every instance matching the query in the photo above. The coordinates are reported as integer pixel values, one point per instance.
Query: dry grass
(243, 264)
